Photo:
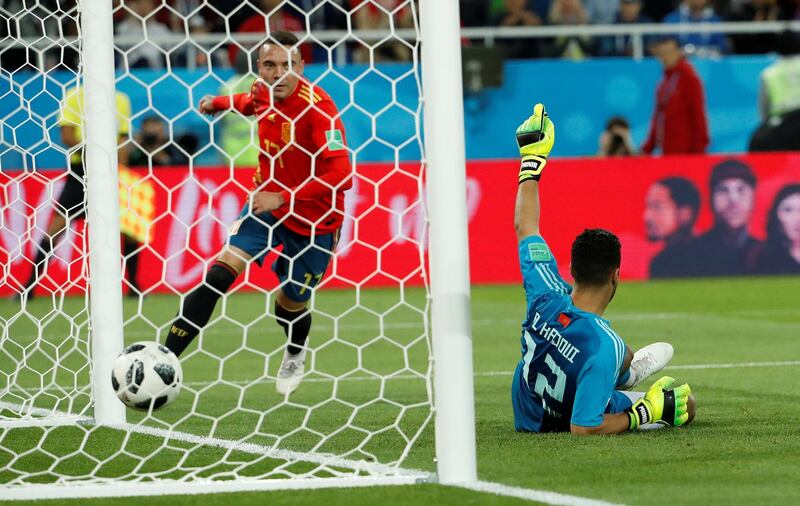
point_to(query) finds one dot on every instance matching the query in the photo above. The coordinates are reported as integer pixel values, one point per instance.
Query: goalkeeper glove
(661, 404)
(535, 138)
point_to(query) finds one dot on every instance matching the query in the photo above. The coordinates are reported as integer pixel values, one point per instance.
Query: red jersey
(679, 123)
(303, 154)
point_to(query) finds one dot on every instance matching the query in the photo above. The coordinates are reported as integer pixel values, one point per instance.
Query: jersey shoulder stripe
(619, 345)
(549, 278)
(556, 279)
(308, 95)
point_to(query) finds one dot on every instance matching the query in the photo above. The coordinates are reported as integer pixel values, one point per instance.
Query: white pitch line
(486, 322)
(529, 494)
(783, 363)
(323, 459)
(485, 374)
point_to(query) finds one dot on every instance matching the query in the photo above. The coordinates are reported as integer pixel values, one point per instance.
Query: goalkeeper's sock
(296, 325)
(198, 306)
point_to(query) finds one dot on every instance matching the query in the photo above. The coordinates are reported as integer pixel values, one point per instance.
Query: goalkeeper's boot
(293, 367)
(646, 362)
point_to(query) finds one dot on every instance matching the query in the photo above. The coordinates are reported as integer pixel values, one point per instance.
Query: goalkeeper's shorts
(301, 264)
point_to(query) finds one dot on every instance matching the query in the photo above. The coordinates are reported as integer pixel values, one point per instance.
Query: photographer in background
(616, 138)
(153, 144)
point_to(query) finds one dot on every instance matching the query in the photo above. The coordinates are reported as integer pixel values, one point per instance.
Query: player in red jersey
(298, 201)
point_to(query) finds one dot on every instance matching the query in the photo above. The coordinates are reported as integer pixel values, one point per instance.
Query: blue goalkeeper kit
(571, 359)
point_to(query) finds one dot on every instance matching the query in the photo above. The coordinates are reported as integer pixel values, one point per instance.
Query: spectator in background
(702, 44)
(273, 16)
(727, 249)
(474, 12)
(135, 27)
(331, 15)
(616, 138)
(517, 13)
(368, 16)
(780, 253)
(671, 208)
(630, 12)
(779, 100)
(153, 144)
(657, 10)
(602, 12)
(679, 123)
(758, 10)
(571, 13)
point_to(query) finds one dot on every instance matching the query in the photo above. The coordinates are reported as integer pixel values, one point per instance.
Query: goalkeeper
(297, 204)
(573, 364)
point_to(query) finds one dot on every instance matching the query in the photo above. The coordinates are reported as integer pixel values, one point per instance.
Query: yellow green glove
(661, 404)
(535, 138)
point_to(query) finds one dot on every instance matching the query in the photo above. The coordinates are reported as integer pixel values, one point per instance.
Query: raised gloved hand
(535, 138)
(661, 404)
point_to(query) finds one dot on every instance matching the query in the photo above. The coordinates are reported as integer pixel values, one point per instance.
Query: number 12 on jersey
(542, 385)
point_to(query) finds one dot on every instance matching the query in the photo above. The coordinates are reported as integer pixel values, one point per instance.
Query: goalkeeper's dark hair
(595, 256)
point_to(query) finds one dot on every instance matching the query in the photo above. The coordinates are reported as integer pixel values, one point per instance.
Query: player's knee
(692, 405)
(288, 303)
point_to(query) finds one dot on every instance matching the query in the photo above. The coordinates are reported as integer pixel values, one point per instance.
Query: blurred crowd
(621, 12)
(158, 19)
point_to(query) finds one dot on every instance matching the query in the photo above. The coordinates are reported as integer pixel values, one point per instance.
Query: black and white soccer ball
(146, 374)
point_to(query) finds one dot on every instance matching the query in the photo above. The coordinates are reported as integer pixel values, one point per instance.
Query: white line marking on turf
(201, 384)
(322, 459)
(534, 495)
(486, 322)
(736, 365)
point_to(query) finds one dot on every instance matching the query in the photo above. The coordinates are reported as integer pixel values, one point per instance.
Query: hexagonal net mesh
(184, 178)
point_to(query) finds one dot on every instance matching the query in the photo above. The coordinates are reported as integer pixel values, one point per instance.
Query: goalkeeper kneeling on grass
(574, 367)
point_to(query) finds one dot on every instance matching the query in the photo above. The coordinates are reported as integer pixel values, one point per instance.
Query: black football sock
(42, 252)
(296, 325)
(198, 306)
(129, 247)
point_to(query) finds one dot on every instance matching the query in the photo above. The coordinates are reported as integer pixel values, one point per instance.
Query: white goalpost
(390, 354)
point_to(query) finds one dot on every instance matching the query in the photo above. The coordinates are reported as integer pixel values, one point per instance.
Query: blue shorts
(301, 264)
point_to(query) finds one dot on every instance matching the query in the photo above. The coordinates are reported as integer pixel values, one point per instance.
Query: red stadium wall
(190, 212)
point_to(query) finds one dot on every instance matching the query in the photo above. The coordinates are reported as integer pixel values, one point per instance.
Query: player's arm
(535, 138)
(615, 423)
(661, 404)
(334, 175)
(242, 102)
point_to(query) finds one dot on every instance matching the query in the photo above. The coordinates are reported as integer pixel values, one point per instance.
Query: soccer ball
(146, 375)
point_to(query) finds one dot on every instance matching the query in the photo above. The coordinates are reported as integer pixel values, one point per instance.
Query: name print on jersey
(547, 332)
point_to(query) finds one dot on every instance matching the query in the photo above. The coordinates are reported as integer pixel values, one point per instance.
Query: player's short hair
(285, 39)
(683, 192)
(596, 254)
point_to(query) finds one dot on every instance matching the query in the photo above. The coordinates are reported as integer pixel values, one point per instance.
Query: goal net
(364, 411)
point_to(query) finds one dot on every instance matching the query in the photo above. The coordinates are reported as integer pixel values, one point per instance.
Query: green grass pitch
(736, 343)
